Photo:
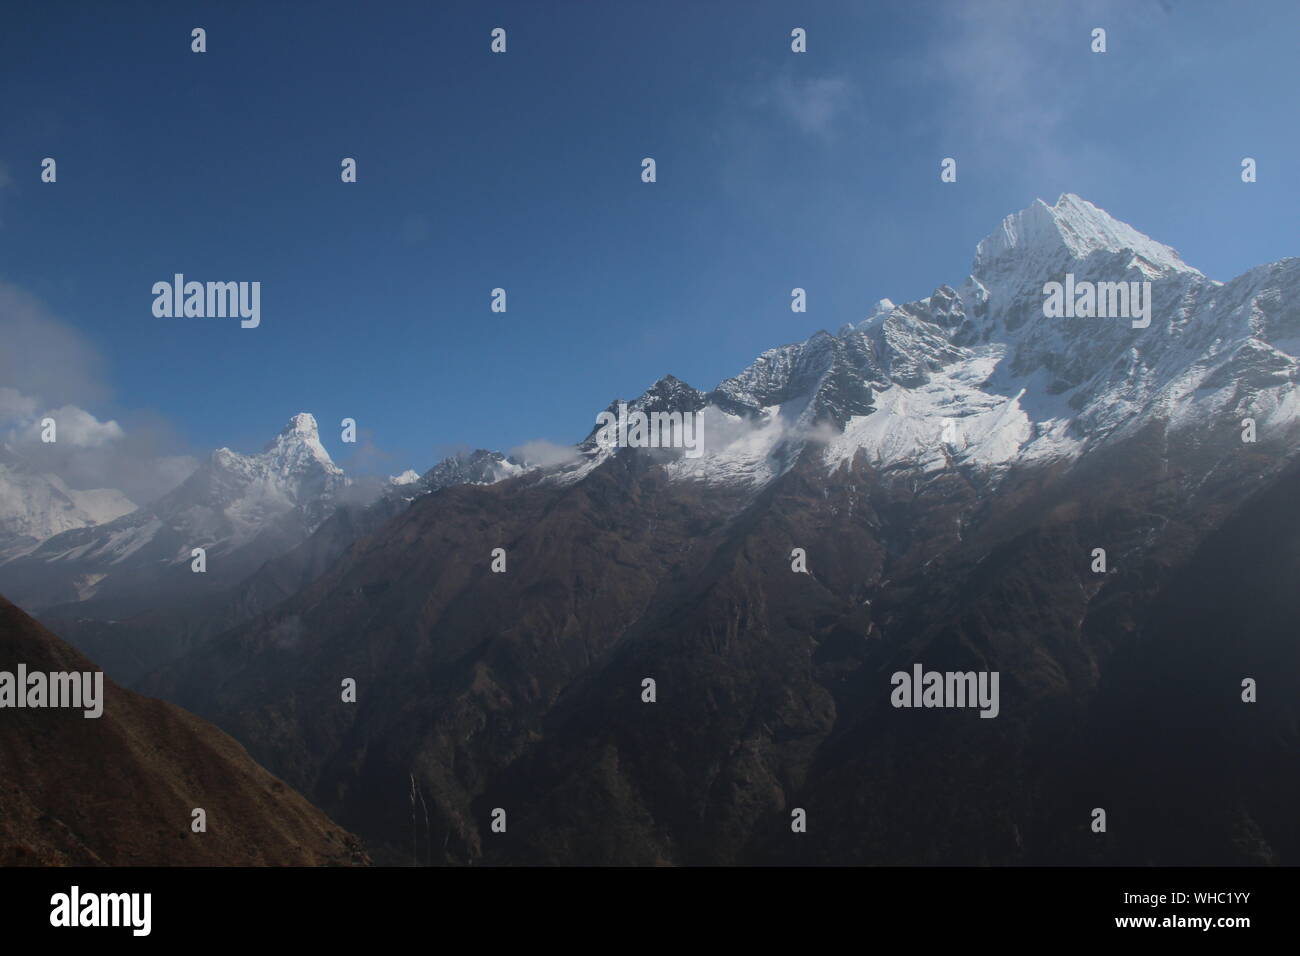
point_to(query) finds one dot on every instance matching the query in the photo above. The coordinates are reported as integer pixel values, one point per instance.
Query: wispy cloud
(76, 426)
(539, 451)
(51, 371)
(993, 58)
(999, 65)
(813, 104)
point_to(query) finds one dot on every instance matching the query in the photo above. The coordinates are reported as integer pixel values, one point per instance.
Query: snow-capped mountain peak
(304, 423)
(298, 448)
(1076, 228)
(480, 467)
(242, 509)
(984, 376)
(292, 471)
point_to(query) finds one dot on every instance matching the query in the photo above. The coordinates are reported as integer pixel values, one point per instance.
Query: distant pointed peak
(667, 383)
(880, 311)
(301, 430)
(464, 467)
(668, 388)
(304, 424)
(300, 437)
(1076, 226)
(465, 457)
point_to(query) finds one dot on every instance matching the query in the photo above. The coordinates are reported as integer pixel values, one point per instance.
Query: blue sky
(522, 170)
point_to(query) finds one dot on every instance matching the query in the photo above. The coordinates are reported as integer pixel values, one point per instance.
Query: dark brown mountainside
(120, 789)
(522, 690)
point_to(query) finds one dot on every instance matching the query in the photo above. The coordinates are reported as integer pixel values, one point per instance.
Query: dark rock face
(522, 690)
(119, 790)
